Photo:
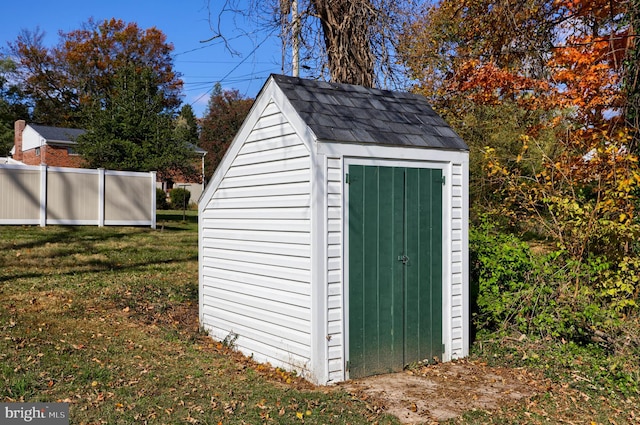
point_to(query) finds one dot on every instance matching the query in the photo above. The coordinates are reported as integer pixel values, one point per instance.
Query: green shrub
(500, 270)
(161, 200)
(552, 294)
(590, 303)
(179, 198)
(547, 295)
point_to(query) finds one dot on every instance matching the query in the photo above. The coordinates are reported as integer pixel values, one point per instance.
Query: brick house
(43, 145)
(55, 146)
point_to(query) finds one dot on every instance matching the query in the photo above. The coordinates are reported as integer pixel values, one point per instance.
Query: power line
(235, 67)
(214, 43)
(227, 62)
(215, 78)
(193, 50)
(208, 84)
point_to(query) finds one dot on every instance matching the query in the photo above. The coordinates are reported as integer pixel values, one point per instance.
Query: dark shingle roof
(55, 135)
(197, 149)
(355, 114)
(65, 136)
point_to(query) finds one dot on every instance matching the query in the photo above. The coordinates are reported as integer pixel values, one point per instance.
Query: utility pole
(296, 38)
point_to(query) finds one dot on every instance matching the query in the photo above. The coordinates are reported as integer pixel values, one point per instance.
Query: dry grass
(106, 320)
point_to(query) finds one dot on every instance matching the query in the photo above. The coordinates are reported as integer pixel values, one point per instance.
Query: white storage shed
(333, 235)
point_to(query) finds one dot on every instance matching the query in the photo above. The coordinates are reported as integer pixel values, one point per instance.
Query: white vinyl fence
(41, 195)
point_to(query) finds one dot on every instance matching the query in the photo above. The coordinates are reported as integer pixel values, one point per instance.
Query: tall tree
(52, 98)
(12, 105)
(346, 41)
(131, 127)
(347, 29)
(631, 76)
(566, 164)
(543, 94)
(186, 126)
(502, 50)
(225, 113)
(80, 68)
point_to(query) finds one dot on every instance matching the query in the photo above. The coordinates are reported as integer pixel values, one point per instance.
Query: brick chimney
(17, 139)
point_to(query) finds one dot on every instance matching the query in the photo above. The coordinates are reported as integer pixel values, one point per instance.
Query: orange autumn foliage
(486, 83)
(81, 68)
(567, 163)
(586, 79)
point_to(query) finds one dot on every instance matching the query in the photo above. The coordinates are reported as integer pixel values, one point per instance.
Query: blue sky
(185, 23)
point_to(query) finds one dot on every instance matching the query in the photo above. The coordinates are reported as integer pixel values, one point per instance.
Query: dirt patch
(439, 392)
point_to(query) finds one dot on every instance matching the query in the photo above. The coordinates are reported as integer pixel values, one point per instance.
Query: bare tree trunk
(346, 25)
(351, 40)
(631, 84)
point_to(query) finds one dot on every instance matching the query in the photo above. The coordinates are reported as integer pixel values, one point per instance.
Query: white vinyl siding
(272, 247)
(31, 139)
(256, 247)
(335, 299)
(457, 258)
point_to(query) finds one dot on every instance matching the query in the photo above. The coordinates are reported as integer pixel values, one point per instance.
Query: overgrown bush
(161, 200)
(550, 294)
(501, 275)
(179, 198)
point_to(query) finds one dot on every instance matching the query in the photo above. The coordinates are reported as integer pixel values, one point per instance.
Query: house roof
(59, 135)
(197, 149)
(354, 114)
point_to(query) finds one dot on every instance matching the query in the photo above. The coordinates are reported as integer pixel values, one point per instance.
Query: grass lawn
(106, 320)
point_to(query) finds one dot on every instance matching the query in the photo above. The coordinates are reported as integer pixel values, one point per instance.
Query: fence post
(101, 196)
(153, 199)
(43, 195)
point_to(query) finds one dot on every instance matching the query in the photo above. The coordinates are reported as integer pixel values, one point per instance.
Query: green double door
(395, 267)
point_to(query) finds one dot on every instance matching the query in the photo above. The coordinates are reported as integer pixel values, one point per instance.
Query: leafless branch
(342, 40)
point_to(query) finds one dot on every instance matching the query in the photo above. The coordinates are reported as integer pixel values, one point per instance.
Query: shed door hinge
(346, 178)
(443, 180)
(348, 365)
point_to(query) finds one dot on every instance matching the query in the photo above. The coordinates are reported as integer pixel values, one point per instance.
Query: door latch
(403, 258)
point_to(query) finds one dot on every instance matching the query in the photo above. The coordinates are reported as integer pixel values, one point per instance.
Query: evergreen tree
(132, 127)
(186, 126)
